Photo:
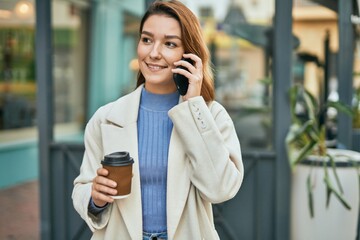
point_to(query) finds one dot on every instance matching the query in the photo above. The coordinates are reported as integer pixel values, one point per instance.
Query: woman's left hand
(194, 74)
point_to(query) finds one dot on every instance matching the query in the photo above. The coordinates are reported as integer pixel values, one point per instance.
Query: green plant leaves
(300, 142)
(341, 107)
(306, 136)
(331, 190)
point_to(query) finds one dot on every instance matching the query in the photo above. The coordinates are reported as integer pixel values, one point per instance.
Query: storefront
(60, 64)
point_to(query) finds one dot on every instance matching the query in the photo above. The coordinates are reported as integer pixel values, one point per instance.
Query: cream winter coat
(204, 167)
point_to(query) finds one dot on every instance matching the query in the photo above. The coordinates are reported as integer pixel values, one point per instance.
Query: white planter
(334, 222)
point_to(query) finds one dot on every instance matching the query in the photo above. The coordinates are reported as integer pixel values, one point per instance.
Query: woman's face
(159, 47)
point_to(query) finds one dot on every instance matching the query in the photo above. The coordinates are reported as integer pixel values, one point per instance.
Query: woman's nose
(155, 52)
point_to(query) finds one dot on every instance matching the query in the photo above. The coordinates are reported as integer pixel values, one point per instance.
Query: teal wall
(110, 51)
(19, 163)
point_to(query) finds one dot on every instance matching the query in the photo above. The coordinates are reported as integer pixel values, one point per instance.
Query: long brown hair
(192, 39)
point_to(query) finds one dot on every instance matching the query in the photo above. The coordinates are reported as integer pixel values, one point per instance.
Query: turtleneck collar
(158, 102)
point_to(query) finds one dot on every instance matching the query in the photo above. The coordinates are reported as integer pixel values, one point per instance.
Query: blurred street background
(87, 58)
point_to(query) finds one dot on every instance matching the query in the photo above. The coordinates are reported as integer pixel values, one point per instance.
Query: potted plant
(356, 109)
(325, 187)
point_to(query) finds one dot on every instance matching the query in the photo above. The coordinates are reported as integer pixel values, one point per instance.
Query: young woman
(186, 151)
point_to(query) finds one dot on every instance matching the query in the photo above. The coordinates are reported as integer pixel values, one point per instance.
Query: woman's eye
(171, 44)
(145, 40)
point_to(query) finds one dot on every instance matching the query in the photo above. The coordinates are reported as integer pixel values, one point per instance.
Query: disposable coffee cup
(119, 165)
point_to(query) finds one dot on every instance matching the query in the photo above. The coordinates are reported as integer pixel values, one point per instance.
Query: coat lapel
(178, 183)
(121, 135)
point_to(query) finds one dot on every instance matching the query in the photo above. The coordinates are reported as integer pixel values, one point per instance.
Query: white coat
(204, 167)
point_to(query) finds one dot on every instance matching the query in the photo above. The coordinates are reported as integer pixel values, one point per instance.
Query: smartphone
(182, 82)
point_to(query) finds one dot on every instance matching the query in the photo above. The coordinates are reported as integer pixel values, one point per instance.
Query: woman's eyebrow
(166, 36)
(147, 33)
(172, 36)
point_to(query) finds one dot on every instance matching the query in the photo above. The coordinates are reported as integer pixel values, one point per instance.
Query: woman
(186, 151)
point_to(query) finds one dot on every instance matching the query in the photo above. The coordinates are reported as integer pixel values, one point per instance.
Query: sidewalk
(19, 212)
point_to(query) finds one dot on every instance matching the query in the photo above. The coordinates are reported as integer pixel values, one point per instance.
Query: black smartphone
(182, 82)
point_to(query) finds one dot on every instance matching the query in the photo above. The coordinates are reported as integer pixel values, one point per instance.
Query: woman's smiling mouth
(155, 67)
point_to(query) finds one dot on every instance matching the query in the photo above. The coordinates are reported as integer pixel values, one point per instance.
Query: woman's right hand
(102, 188)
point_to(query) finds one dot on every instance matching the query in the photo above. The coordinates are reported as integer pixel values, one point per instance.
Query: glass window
(17, 70)
(239, 37)
(70, 48)
(315, 58)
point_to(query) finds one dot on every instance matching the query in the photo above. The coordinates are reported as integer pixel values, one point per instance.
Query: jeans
(155, 236)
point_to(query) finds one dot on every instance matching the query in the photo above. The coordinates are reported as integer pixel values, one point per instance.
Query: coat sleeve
(212, 148)
(82, 184)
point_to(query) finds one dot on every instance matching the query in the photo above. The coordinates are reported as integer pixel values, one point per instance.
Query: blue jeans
(155, 236)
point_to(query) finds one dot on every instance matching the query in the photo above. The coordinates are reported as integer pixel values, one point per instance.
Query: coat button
(196, 108)
(199, 116)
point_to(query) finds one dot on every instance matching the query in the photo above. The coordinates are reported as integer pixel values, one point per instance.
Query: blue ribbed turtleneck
(154, 130)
